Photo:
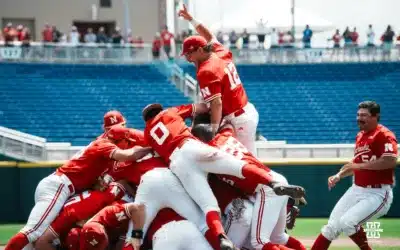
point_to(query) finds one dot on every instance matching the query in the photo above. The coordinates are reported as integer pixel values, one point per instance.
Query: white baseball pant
(50, 196)
(160, 188)
(179, 235)
(269, 216)
(357, 206)
(245, 126)
(237, 225)
(193, 161)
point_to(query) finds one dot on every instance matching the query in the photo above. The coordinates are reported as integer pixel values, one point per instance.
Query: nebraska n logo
(113, 119)
(205, 92)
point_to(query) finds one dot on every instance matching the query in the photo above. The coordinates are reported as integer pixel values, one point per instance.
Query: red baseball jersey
(225, 141)
(88, 164)
(224, 192)
(163, 217)
(167, 37)
(136, 138)
(168, 130)
(218, 77)
(115, 219)
(372, 146)
(133, 171)
(84, 205)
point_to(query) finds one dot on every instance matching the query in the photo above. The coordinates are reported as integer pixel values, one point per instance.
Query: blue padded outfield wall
(298, 103)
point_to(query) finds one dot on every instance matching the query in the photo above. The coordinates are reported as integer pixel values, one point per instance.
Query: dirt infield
(346, 242)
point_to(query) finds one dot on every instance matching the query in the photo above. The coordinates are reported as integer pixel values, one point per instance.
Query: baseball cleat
(289, 190)
(291, 217)
(226, 244)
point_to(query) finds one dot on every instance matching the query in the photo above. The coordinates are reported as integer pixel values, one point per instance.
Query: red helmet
(112, 118)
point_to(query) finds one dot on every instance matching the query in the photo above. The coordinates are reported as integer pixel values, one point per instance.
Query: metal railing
(128, 53)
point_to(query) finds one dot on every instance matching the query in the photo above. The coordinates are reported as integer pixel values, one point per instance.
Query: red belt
(372, 186)
(238, 112)
(70, 186)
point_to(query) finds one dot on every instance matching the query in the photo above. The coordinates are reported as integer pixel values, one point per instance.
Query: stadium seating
(318, 103)
(297, 103)
(66, 103)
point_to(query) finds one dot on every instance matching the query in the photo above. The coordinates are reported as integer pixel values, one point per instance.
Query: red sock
(214, 223)
(212, 239)
(321, 243)
(256, 174)
(360, 238)
(17, 242)
(270, 246)
(295, 244)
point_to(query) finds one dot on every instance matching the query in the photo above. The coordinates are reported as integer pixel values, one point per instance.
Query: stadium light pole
(293, 22)
(126, 16)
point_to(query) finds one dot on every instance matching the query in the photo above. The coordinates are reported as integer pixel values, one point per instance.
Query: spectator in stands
(167, 40)
(220, 37)
(101, 36)
(347, 37)
(138, 42)
(19, 33)
(9, 34)
(233, 37)
(245, 39)
(90, 37)
(156, 48)
(307, 35)
(26, 37)
(1, 36)
(273, 53)
(354, 43)
(56, 35)
(117, 38)
(288, 43)
(371, 42)
(261, 33)
(370, 36)
(387, 39)
(74, 36)
(336, 43)
(47, 34)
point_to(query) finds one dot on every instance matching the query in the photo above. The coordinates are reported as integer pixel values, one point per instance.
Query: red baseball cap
(118, 133)
(112, 118)
(192, 43)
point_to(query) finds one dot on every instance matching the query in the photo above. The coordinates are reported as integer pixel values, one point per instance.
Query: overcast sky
(340, 13)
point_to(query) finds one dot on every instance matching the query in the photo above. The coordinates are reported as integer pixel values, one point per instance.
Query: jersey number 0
(162, 131)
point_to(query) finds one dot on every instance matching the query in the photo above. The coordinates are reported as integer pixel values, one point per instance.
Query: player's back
(133, 171)
(226, 141)
(165, 132)
(87, 165)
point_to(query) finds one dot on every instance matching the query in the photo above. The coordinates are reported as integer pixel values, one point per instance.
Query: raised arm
(200, 28)
(131, 154)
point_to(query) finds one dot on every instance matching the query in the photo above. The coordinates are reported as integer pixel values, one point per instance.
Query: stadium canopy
(255, 15)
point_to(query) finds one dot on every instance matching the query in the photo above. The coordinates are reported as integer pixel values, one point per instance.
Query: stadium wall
(146, 16)
(19, 181)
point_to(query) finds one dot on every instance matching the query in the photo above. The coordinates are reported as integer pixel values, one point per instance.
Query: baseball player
(372, 167)
(109, 226)
(219, 82)
(269, 216)
(76, 175)
(190, 160)
(79, 207)
(113, 118)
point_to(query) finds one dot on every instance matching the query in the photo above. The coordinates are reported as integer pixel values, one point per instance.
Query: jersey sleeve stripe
(112, 153)
(193, 109)
(126, 208)
(212, 97)
(53, 232)
(389, 154)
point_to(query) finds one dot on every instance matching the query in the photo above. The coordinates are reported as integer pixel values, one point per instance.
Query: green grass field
(305, 229)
